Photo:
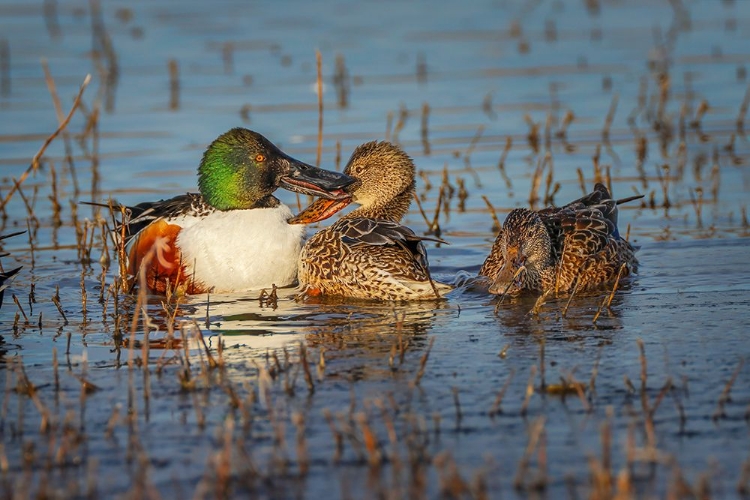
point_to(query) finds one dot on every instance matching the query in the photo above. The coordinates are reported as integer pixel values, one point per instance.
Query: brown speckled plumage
(368, 254)
(559, 249)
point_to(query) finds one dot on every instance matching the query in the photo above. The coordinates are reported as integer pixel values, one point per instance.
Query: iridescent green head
(241, 169)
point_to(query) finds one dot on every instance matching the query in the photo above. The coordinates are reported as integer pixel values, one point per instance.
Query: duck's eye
(260, 157)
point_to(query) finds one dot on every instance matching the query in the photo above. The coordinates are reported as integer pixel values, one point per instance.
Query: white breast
(241, 249)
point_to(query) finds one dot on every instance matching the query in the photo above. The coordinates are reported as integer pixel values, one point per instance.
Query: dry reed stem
(542, 367)
(31, 219)
(642, 358)
(725, 393)
(434, 226)
(572, 294)
(5, 80)
(421, 69)
(51, 87)
(337, 160)
(536, 180)
(743, 111)
(370, 440)
(388, 125)
(496, 406)
(174, 84)
(496, 226)
(703, 107)
(421, 211)
(20, 308)
(306, 367)
(53, 197)
(535, 434)
(578, 387)
(487, 106)
(501, 162)
(423, 362)
(608, 300)
(303, 458)
(667, 387)
(424, 132)
(529, 390)
(568, 118)
(319, 89)
(606, 438)
(469, 151)
(696, 199)
(533, 136)
(35, 160)
(610, 118)
(664, 182)
(341, 81)
(457, 406)
(743, 483)
(595, 372)
(540, 301)
(548, 132)
(581, 181)
(403, 115)
(550, 189)
(338, 436)
(56, 301)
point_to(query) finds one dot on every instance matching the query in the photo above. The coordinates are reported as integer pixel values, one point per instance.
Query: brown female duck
(368, 254)
(576, 246)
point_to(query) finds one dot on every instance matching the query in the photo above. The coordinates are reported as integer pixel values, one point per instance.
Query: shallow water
(410, 390)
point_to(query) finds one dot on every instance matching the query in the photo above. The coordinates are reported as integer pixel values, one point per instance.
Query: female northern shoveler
(576, 246)
(234, 235)
(368, 254)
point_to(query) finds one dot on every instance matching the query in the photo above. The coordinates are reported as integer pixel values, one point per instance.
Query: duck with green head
(368, 254)
(233, 235)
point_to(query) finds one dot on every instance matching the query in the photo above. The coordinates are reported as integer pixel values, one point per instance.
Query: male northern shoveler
(368, 254)
(234, 235)
(560, 249)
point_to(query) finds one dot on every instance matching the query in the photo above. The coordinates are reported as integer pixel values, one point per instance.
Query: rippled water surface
(509, 103)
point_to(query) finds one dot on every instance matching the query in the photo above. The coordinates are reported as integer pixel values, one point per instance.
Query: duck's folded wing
(586, 232)
(376, 232)
(137, 217)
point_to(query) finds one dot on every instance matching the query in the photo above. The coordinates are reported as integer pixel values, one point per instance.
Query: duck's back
(368, 259)
(586, 243)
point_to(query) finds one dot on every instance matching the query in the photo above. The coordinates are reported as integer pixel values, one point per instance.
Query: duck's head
(384, 187)
(526, 251)
(241, 169)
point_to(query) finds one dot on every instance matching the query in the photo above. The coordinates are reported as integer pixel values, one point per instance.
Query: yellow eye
(260, 157)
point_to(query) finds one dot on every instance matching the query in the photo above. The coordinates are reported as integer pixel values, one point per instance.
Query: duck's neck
(393, 210)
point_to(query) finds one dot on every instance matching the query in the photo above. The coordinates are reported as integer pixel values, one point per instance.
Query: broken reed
(52, 88)
(424, 129)
(174, 84)
(33, 167)
(319, 90)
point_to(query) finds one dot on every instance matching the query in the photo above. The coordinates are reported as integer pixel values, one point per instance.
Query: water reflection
(251, 328)
(562, 318)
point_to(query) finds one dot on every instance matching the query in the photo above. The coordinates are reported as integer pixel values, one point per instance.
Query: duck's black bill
(306, 179)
